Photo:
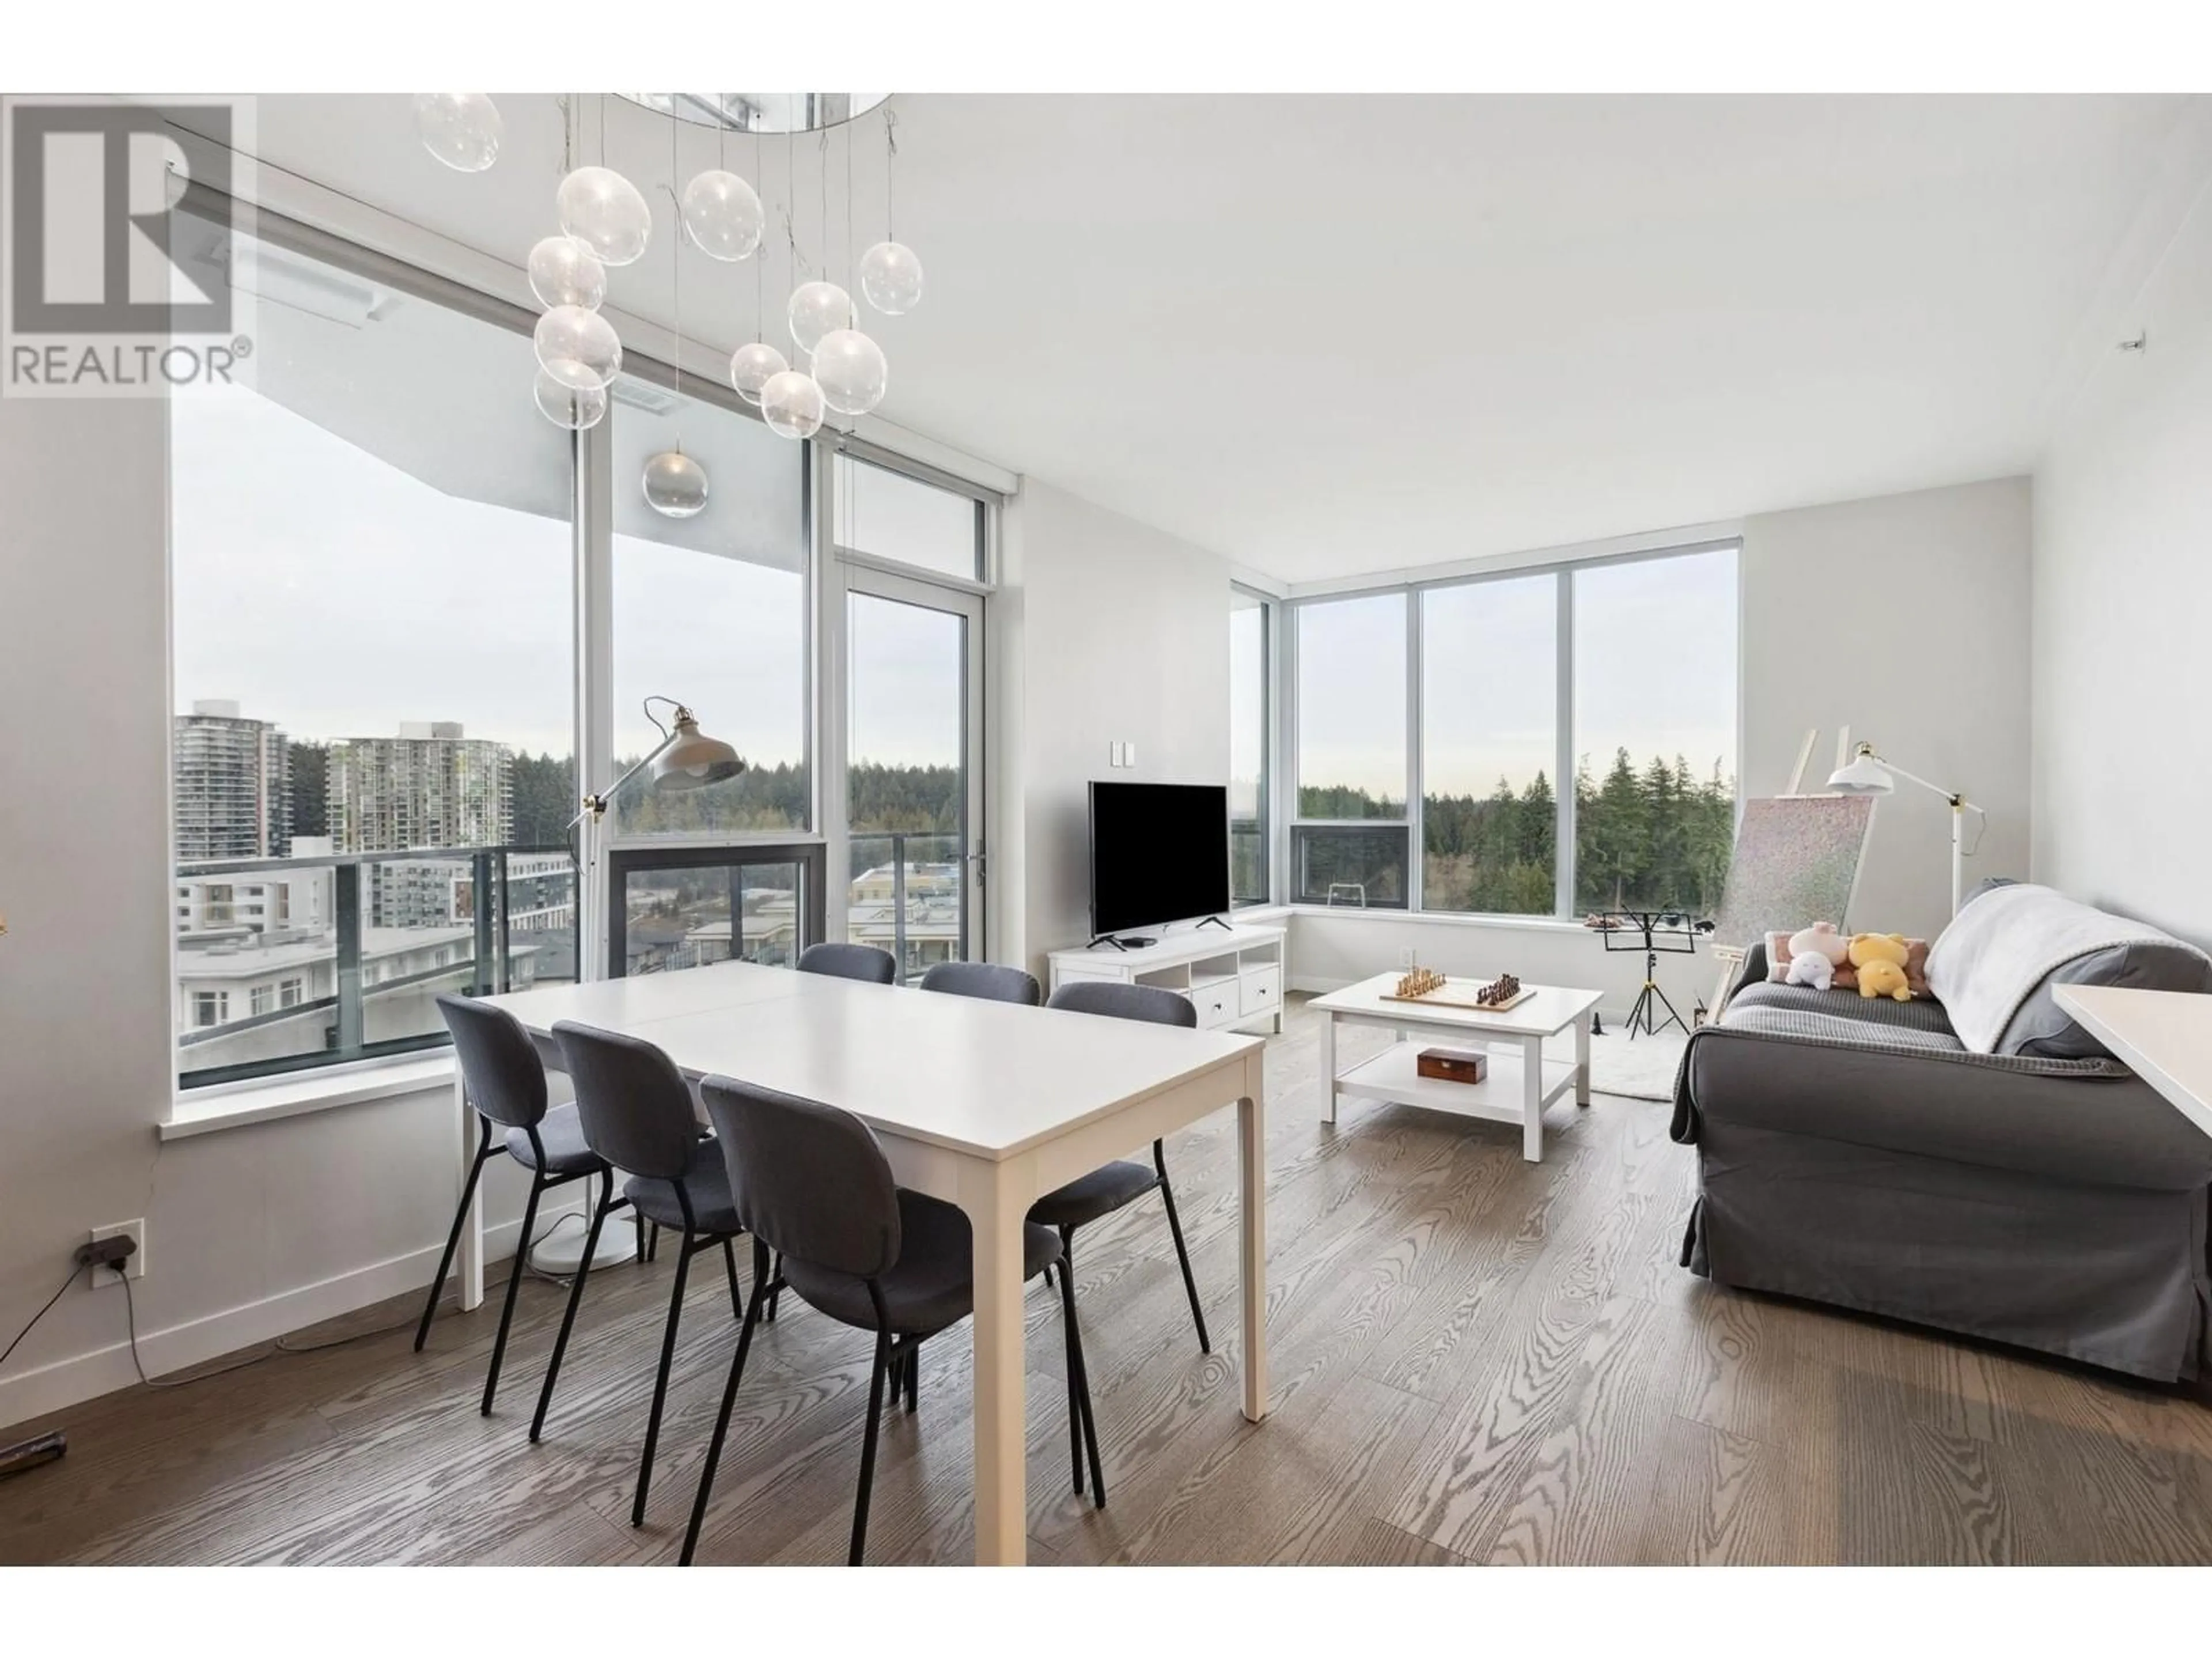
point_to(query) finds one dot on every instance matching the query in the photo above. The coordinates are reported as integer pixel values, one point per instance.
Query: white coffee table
(1521, 1084)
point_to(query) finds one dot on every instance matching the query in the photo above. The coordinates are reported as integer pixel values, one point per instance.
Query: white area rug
(1641, 1068)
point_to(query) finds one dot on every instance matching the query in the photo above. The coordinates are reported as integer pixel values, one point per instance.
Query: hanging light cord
(890, 170)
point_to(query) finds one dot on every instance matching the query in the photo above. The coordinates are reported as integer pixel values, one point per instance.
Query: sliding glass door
(912, 690)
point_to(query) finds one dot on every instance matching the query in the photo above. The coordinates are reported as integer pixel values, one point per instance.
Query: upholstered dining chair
(1092, 1197)
(811, 1183)
(637, 1113)
(841, 961)
(505, 1082)
(986, 981)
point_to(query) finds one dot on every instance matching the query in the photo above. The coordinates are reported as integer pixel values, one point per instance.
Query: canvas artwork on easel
(1796, 862)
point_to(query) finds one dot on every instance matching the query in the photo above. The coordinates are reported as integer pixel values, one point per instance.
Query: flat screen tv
(1160, 853)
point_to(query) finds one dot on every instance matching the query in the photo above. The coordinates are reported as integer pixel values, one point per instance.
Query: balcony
(283, 965)
(907, 896)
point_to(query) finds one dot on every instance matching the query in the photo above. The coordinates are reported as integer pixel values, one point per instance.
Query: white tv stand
(1233, 977)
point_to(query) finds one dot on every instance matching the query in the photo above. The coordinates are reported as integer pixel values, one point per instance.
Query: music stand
(1658, 929)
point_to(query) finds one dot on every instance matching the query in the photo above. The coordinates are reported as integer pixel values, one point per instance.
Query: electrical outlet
(1406, 956)
(135, 1232)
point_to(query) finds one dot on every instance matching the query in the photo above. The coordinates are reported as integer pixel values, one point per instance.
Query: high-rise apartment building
(234, 781)
(428, 787)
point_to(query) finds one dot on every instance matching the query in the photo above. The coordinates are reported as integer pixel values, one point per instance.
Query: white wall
(2123, 589)
(1906, 619)
(1108, 632)
(251, 1232)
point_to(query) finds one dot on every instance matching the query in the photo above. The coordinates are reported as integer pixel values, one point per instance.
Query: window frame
(1270, 609)
(820, 845)
(1563, 571)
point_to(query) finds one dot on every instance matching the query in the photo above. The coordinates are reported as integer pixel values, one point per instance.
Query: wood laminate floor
(1475, 1359)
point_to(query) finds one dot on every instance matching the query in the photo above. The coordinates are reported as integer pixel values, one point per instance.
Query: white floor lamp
(1868, 773)
(684, 759)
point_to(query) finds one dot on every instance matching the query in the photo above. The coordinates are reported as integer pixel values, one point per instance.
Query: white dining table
(988, 1105)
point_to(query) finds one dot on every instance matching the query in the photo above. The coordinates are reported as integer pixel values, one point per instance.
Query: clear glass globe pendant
(890, 276)
(815, 309)
(723, 215)
(604, 210)
(850, 369)
(564, 271)
(791, 403)
(675, 485)
(461, 129)
(579, 345)
(752, 366)
(567, 397)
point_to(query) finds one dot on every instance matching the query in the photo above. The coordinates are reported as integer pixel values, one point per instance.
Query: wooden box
(1453, 1064)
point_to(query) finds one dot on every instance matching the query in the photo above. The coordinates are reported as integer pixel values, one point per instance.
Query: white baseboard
(70, 1382)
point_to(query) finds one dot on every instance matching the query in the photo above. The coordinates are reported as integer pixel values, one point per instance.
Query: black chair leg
(637, 1226)
(775, 1286)
(660, 1381)
(1047, 1276)
(868, 1446)
(913, 1376)
(1082, 1428)
(513, 1284)
(1182, 1253)
(729, 1266)
(652, 1240)
(453, 1238)
(575, 1297)
(722, 1417)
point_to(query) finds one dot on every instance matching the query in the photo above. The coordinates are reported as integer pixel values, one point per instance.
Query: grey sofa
(1853, 1151)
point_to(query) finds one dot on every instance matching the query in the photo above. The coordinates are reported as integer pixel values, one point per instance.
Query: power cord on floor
(270, 1351)
(16, 1341)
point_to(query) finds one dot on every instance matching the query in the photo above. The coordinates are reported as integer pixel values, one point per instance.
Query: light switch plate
(1128, 754)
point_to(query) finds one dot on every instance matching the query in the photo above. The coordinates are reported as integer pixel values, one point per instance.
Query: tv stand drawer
(1262, 991)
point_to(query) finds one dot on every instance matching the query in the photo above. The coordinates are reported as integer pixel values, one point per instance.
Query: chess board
(1460, 994)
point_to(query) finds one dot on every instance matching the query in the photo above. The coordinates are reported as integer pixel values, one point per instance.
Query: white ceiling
(1326, 336)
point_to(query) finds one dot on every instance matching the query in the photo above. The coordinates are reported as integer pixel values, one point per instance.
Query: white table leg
(996, 1197)
(472, 1240)
(1532, 1096)
(1582, 1060)
(1252, 1215)
(1328, 1067)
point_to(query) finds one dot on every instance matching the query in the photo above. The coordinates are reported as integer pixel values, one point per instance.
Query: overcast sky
(1655, 670)
(383, 537)
(337, 594)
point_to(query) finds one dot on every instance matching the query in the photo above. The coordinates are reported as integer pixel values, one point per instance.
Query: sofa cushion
(1882, 1012)
(1994, 968)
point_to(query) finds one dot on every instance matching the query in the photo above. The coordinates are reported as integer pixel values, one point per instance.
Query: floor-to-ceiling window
(912, 556)
(375, 714)
(1611, 681)
(1349, 830)
(1490, 746)
(1655, 690)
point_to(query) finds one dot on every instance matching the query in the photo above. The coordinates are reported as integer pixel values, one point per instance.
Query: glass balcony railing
(284, 964)
(906, 895)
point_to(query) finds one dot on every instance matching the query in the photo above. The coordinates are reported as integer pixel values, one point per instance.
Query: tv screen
(1159, 852)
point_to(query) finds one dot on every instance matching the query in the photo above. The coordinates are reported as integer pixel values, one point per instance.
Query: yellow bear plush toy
(1880, 959)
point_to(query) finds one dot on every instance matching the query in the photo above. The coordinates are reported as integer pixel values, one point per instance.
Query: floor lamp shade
(1865, 775)
(693, 760)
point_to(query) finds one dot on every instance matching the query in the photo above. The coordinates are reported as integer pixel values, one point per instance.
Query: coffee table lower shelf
(1393, 1075)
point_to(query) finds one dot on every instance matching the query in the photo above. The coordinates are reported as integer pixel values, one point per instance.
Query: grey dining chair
(637, 1113)
(505, 1082)
(989, 982)
(841, 961)
(811, 1183)
(1115, 1186)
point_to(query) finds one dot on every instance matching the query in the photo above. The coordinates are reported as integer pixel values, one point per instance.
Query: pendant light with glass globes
(604, 221)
